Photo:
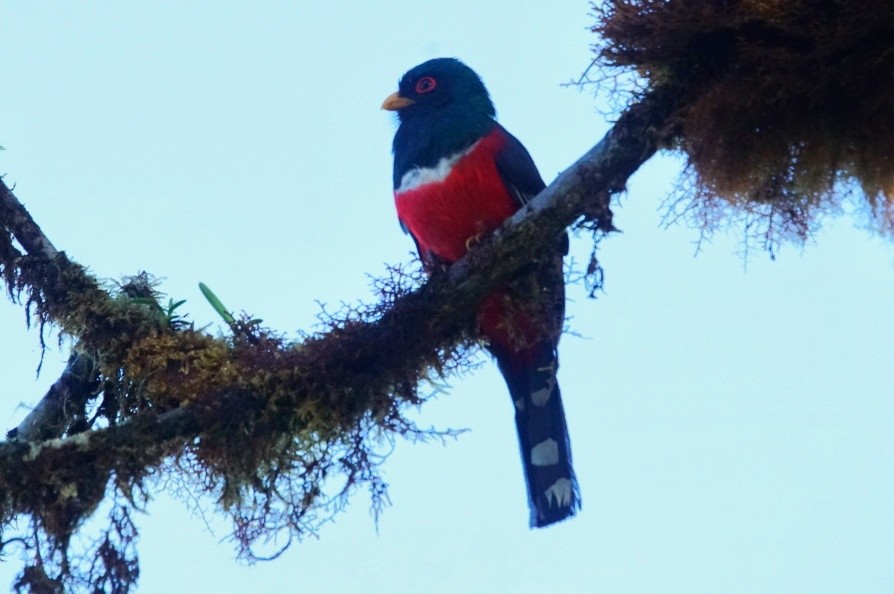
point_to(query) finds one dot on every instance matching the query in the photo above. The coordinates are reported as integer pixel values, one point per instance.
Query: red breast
(462, 196)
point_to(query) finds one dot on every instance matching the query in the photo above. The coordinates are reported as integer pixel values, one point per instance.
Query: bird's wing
(517, 169)
(521, 176)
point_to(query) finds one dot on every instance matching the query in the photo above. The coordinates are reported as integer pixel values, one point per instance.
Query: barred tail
(553, 493)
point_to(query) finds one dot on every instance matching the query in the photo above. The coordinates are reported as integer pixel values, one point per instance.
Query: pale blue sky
(731, 425)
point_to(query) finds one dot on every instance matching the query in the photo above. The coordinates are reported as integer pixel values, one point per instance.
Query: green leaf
(173, 305)
(216, 304)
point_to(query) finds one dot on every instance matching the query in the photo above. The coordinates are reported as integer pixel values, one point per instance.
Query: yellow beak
(395, 101)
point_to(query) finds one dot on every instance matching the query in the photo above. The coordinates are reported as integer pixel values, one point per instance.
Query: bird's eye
(425, 84)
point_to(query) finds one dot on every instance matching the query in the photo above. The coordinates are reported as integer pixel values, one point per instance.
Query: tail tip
(560, 501)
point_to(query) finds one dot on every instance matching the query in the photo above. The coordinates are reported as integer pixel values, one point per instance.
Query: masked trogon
(458, 174)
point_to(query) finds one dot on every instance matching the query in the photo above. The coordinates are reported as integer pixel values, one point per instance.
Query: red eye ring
(426, 84)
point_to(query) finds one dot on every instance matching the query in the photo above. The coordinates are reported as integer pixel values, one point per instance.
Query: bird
(458, 174)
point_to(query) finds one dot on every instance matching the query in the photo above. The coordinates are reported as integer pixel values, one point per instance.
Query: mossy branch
(788, 104)
(232, 403)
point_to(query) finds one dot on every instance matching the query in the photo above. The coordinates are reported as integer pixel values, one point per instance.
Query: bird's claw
(472, 241)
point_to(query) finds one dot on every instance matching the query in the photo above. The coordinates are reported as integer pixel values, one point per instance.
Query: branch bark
(64, 403)
(20, 222)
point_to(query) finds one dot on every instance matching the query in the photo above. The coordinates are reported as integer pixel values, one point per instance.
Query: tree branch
(437, 314)
(63, 404)
(19, 221)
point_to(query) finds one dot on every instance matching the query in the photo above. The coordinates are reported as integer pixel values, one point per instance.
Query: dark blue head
(443, 108)
(437, 85)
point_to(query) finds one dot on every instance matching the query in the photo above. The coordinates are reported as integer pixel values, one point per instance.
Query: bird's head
(438, 85)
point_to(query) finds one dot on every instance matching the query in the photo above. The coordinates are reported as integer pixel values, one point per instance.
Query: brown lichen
(286, 430)
(787, 103)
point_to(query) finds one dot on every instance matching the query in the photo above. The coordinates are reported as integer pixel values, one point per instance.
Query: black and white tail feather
(544, 445)
(543, 438)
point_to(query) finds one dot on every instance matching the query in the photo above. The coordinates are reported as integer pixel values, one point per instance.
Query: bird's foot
(474, 240)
